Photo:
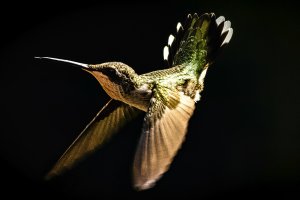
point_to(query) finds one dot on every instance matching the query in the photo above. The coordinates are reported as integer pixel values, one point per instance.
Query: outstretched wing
(198, 41)
(108, 121)
(164, 129)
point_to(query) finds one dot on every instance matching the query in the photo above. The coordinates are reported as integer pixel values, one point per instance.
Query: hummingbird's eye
(110, 72)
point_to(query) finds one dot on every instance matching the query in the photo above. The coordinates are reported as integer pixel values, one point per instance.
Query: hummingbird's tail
(198, 40)
(86, 66)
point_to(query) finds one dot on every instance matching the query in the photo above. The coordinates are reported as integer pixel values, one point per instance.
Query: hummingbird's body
(168, 97)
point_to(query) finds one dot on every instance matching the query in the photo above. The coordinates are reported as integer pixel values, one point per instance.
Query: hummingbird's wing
(164, 129)
(198, 41)
(108, 121)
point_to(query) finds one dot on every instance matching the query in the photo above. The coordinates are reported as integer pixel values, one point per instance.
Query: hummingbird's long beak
(83, 65)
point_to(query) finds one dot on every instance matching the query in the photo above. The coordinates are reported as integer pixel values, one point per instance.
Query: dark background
(243, 139)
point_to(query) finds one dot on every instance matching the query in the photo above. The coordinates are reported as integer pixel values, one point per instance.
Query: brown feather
(108, 121)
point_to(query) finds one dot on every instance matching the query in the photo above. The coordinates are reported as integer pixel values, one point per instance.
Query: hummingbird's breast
(139, 97)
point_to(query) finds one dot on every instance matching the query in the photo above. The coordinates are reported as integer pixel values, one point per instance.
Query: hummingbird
(167, 98)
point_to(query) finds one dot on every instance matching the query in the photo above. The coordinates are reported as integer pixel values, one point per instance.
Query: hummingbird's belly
(138, 100)
(138, 97)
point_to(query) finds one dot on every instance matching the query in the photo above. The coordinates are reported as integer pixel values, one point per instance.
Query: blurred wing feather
(108, 121)
(164, 129)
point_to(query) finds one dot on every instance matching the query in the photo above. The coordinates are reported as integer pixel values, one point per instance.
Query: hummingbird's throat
(110, 87)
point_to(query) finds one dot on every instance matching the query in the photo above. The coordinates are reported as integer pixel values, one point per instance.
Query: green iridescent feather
(193, 48)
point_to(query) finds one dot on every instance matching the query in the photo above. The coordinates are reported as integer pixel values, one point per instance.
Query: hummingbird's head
(112, 70)
(115, 78)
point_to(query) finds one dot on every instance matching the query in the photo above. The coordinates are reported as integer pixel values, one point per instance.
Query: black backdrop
(243, 138)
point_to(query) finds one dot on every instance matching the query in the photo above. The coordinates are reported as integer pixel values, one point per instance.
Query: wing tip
(145, 185)
(55, 171)
(50, 175)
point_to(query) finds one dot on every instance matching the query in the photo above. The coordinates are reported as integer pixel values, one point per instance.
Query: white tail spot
(166, 52)
(171, 40)
(202, 76)
(227, 25)
(228, 36)
(220, 20)
(178, 27)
